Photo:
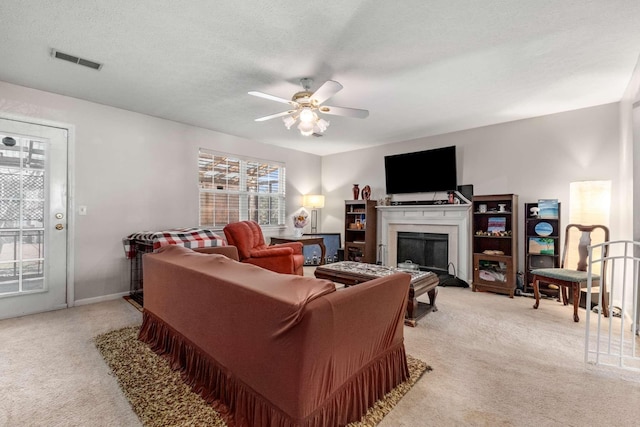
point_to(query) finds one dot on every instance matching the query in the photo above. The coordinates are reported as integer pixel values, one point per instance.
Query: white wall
(630, 130)
(134, 173)
(534, 158)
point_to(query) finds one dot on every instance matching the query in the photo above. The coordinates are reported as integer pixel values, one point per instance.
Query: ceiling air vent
(80, 61)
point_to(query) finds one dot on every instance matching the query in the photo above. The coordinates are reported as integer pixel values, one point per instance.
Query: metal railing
(29, 258)
(613, 340)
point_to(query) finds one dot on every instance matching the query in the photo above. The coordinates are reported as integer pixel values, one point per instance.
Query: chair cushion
(564, 274)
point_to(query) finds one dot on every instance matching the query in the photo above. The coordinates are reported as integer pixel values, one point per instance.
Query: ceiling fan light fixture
(322, 125)
(305, 106)
(306, 128)
(289, 121)
(307, 115)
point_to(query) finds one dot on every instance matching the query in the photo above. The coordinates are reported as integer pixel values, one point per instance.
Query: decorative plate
(543, 229)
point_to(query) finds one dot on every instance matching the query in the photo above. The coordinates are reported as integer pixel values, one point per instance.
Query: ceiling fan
(305, 106)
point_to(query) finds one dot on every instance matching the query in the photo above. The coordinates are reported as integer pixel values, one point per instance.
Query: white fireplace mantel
(454, 220)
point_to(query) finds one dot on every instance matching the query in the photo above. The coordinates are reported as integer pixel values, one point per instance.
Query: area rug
(160, 398)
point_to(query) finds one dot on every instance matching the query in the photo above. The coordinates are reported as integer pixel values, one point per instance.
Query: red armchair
(248, 238)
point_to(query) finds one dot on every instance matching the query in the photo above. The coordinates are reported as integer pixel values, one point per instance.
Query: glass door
(33, 236)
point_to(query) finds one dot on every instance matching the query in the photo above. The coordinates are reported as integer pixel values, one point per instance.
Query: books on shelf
(496, 224)
(548, 208)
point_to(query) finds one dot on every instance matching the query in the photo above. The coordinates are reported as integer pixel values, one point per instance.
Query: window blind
(234, 188)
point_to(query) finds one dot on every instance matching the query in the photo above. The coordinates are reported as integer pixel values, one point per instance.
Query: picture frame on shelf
(541, 246)
(543, 229)
(496, 224)
(548, 208)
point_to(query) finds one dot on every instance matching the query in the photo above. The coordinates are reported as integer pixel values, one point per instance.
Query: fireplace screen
(429, 250)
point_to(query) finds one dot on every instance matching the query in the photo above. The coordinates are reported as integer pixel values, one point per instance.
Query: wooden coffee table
(351, 273)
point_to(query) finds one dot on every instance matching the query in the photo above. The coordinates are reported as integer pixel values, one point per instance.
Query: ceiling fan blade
(273, 116)
(326, 91)
(344, 111)
(271, 97)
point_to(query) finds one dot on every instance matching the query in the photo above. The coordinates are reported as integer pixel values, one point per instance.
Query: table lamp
(315, 202)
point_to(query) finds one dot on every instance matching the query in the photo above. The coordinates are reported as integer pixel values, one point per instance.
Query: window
(22, 214)
(237, 189)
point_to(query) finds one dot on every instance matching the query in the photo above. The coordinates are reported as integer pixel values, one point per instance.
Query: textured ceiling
(420, 67)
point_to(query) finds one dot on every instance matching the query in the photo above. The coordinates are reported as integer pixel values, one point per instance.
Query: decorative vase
(356, 191)
(366, 192)
(300, 220)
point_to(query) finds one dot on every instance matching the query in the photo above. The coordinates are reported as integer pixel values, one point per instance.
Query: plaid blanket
(187, 237)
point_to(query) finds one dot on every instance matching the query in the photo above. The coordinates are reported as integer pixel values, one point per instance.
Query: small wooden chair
(575, 279)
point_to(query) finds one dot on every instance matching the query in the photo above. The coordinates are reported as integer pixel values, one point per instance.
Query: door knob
(59, 226)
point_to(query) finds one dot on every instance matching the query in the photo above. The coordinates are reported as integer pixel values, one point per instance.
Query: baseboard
(103, 298)
(29, 313)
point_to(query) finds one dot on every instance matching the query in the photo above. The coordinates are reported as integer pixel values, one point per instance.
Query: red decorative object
(356, 191)
(366, 192)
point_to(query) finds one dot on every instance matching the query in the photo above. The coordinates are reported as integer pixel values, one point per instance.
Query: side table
(306, 241)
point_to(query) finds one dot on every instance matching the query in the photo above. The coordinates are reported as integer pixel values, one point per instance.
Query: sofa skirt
(240, 405)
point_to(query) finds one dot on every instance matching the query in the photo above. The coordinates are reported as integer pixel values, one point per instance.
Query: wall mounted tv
(421, 171)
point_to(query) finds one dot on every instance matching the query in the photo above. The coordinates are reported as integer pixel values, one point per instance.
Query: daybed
(270, 349)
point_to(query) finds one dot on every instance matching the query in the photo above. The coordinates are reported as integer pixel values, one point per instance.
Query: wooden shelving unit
(360, 231)
(495, 243)
(540, 231)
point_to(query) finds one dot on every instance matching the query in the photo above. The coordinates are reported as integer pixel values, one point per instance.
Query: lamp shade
(313, 200)
(589, 204)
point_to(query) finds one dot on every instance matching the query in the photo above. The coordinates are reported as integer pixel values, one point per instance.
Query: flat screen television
(421, 171)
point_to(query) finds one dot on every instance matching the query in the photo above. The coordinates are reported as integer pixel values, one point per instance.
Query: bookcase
(495, 243)
(360, 231)
(541, 243)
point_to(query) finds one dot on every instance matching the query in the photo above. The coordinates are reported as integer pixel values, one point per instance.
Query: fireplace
(429, 250)
(452, 221)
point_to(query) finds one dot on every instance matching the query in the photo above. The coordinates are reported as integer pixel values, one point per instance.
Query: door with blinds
(33, 218)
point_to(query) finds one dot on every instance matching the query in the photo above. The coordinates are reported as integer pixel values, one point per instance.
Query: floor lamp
(315, 202)
(589, 204)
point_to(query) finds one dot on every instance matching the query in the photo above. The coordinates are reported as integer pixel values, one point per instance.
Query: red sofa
(247, 236)
(270, 349)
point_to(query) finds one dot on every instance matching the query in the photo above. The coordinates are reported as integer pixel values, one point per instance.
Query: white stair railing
(613, 340)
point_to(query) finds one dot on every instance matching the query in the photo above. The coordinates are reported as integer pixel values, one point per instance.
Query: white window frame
(260, 203)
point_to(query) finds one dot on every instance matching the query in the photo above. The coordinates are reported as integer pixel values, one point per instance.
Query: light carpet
(160, 398)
